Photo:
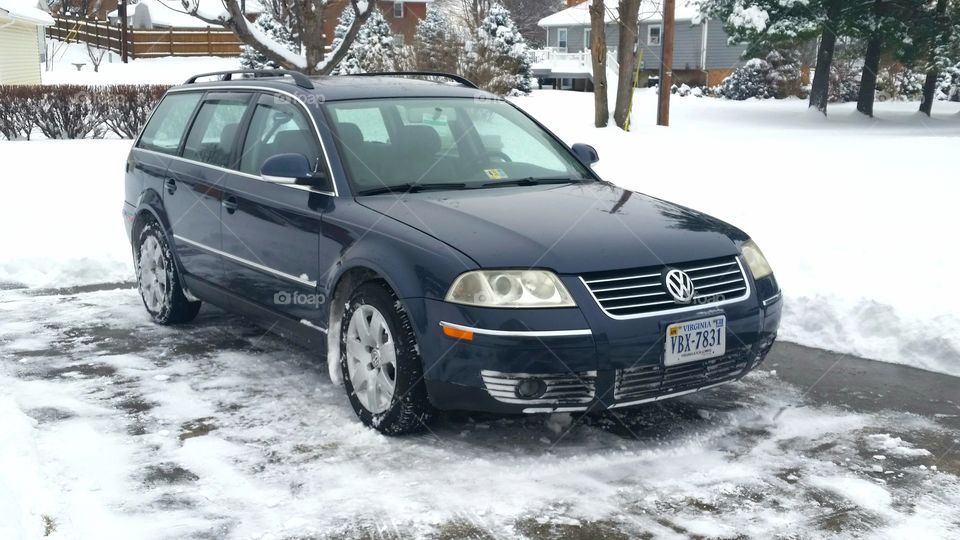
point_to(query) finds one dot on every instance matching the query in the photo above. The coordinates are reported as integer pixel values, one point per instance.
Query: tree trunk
(819, 90)
(930, 83)
(929, 87)
(627, 56)
(871, 64)
(598, 55)
(868, 80)
(666, 63)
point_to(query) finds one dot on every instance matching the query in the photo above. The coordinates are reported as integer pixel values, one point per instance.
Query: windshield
(416, 144)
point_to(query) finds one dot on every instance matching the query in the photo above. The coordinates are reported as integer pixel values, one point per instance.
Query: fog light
(531, 388)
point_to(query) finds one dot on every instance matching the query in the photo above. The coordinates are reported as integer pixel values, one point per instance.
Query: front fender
(414, 264)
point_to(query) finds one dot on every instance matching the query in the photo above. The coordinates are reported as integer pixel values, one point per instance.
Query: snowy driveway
(119, 428)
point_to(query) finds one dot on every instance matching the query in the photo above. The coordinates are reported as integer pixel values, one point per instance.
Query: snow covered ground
(118, 428)
(172, 70)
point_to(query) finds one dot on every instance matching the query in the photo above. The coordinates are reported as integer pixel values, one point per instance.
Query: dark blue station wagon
(439, 246)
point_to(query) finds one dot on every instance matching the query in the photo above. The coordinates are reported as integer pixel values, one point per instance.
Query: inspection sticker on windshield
(496, 174)
(695, 340)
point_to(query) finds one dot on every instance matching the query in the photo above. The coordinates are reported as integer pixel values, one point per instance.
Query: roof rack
(456, 78)
(299, 78)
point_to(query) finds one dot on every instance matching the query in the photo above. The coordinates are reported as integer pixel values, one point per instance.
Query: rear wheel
(382, 371)
(159, 280)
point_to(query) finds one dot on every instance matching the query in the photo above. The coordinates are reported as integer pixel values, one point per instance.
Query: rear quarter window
(165, 129)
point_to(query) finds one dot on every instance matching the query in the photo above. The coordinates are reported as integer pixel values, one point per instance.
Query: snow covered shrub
(268, 25)
(70, 112)
(436, 46)
(899, 84)
(948, 84)
(776, 76)
(786, 72)
(844, 81)
(374, 49)
(748, 81)
(128, 106)
(17, 110)
(500, 61)
(684, 90)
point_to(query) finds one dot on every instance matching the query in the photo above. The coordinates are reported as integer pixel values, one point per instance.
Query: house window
(398, 10)
(653, 34)
(562, 38)
(586, 38)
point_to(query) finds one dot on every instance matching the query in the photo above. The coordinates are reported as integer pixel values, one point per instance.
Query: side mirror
(585, 153)
(291, 169)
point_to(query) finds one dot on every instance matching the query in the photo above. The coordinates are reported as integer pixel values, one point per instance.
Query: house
(21, 40)
(702, 54)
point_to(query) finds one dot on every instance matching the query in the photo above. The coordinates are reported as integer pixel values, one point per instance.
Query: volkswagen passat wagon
(440, 247)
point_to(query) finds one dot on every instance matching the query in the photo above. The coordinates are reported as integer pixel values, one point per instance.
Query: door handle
(170, 184)
(230, 204)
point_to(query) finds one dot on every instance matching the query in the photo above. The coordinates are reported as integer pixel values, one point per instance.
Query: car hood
(570, 229)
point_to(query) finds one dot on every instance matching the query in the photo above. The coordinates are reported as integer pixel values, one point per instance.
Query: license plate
(695, 340)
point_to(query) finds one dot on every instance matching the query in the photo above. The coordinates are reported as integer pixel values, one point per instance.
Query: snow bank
(60, 204)
(851, 212)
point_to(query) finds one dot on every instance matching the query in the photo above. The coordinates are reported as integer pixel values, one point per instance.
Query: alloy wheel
(153, 275)
(371, 359)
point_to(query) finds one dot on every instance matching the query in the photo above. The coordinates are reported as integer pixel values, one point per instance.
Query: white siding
(20, 59)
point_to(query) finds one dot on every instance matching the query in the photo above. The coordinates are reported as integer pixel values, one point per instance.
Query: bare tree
(307, 18)
(598, 56)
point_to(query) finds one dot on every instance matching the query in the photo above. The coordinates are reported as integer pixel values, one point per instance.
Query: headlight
(510, 289)
(757, 263)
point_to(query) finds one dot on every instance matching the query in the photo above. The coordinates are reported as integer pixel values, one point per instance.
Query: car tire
(380, 362)
(159, 280)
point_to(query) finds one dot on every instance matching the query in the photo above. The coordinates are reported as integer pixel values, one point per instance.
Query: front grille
(648, 381)
(561, 388)
(632, 293)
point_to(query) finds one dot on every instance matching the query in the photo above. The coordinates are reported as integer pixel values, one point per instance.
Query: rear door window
(213, 135)
(165, 130)
(277, 127)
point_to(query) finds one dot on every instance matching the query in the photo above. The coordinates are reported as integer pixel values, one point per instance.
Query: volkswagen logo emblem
(679, 285)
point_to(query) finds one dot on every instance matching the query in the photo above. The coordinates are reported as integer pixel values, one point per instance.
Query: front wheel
(381, 368)
(159, 281)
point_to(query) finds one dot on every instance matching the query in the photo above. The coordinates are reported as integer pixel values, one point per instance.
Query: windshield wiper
(412, 188)
(532, 181)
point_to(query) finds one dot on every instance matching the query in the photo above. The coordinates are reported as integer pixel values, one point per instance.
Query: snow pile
(894, 446)
(60, 204)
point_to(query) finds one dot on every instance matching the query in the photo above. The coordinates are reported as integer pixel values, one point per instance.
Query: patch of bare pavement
(217, 429)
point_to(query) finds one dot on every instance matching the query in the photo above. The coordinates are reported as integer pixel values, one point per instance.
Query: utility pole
(122, 13)
(666, 63)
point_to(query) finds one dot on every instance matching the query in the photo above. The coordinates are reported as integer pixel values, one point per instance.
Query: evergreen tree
(267, 24)
(500, 61)
(436, 47)
(374, 49)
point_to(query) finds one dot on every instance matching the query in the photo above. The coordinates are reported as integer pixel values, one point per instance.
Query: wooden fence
(148, 43)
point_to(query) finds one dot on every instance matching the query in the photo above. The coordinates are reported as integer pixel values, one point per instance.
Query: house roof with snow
(650, 11)
(27, 11)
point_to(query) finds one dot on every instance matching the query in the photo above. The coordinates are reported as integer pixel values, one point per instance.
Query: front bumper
(586, 359)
